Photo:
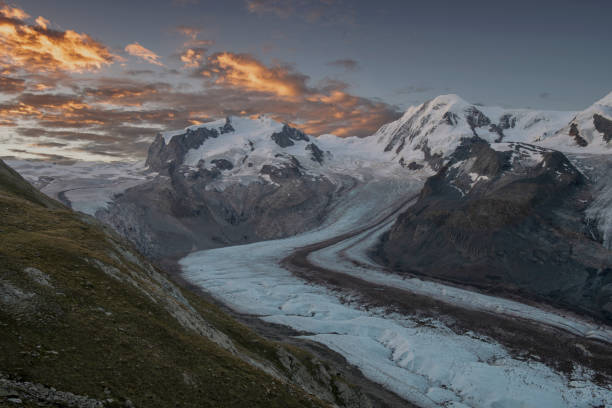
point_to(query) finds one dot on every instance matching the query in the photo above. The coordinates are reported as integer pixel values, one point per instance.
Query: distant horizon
(75, 86)
(69, 160)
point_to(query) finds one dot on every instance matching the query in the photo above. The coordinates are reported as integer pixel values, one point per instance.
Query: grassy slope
(91, 334)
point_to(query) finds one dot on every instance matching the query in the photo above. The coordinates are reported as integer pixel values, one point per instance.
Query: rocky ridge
(508, 218)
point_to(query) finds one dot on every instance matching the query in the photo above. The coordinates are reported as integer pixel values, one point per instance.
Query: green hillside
(82, 313)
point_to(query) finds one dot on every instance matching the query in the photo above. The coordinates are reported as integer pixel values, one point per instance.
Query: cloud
(11, 85)
(123, 93)
(544, 95)
(13, 12)
(139, 51)
(39, 49)
(193, 51)
(86, 125)
(284, 93)
(47, 144)
(246, 72)
(137, 72)
(193, 57)
(42, 156)
(42, 22)
(346, 64)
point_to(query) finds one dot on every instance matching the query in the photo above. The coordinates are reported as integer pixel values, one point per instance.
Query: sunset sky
(96, 80)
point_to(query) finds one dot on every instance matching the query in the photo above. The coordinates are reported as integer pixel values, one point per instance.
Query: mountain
(224, 183)
(86, 321)
(505, 221)
(235, 181)
(240, 180)
(431, 131)
(508, 218)
(512, 203)
(590, 130)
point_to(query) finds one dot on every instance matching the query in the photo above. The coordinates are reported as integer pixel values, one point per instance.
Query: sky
(96, 80)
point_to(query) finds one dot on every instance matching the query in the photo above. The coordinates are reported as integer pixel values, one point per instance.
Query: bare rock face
(575, 133)
(288, 135)
(603, 126)
(316, 154)
(510, 222)
(476, 119)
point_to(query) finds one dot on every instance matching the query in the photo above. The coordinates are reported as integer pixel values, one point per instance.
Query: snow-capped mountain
(423, 137)
(245, 179)
(239, 148)
(431, 131)
(588, 131)
(236, 149)
(479, 221)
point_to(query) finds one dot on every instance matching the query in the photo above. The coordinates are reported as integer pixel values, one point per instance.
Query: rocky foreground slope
(86, 321)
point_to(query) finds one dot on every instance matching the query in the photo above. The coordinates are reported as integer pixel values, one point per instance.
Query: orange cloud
(123, 93)
(37, 48)
(117, 115)
(13, 12)
(244, 71)
(139, 51)
(10, 85)
(42, 22)
(192, 53)
(251, 86)
(41, 87)
(192, 57)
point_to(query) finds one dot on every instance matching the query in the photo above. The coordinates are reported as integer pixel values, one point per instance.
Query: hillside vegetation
(85, 321)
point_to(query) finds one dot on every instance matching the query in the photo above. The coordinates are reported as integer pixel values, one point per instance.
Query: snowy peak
(589, 131)
(425, 136)
(236, 146)
(433, 130)
(606, 101)
(476, 164)
(430, 132)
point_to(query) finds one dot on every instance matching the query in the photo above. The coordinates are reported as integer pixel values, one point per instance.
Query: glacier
(427, 364)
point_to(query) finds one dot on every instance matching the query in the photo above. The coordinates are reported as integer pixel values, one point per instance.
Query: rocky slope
(508, 218)
(85, 321)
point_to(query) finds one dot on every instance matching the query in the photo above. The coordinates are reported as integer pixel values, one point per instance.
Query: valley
(458, 257)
